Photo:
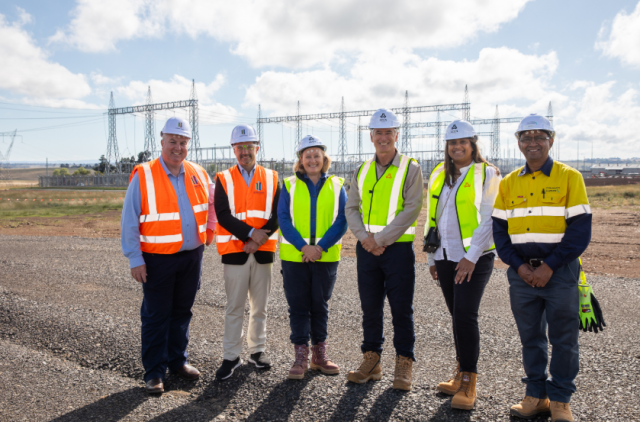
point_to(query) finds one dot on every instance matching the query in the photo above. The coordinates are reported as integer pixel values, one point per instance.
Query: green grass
(627, 196)
(49, 203)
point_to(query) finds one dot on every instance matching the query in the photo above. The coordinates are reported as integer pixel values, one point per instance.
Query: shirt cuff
(553, 262)
(363, 236)
(516, 263)
(473, 254)
(431, 259)
(300, 245)
(136, 261)
(250, 233)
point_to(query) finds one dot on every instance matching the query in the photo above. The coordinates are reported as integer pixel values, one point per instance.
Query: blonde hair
(476, 157)
(326, 163)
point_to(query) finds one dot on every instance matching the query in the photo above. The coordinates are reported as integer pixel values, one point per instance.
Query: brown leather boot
(465, 398)
(369, 369)
(300, 365)
(530, 407)
(560, 412)
(453, 385)
(320, 361)
(403, 373)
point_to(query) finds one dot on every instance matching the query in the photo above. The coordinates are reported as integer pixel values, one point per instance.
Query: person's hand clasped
(370, 245)
(434, 273)
(260, 236)
(210, 236)
(250, 247)
(525, 271)
(139, 273)
(464, 270)
(541, 275)
(311, 253)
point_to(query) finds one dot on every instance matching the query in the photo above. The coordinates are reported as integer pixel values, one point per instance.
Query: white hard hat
(384, 119)
(310, 141)
(535, 122)
(459, 129)
(243, 133)
(177, 126)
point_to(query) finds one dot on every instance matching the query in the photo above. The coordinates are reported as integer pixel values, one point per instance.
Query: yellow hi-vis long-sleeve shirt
(542, 215)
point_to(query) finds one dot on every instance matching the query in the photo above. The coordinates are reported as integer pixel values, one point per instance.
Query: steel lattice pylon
(550, 117)
(406, 144)
(149, 129)
(342, 147)
(495, 138)
(359, 141)
(296, 142)
(112, 142)
(194, 148)
(439, 154)
(466, 112)
(259, 124)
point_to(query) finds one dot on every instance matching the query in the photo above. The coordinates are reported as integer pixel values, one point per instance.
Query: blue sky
(62, 59)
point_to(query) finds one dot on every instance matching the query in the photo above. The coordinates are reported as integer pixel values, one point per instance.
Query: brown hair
(476, 157)
(326, 163)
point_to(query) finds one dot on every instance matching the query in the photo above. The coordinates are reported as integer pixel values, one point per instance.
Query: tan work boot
(320, 361)
(300, 365)
(369, 369)
(453, 385)
(531, 406)
(402, 374)
(561, 412)
(465, 398)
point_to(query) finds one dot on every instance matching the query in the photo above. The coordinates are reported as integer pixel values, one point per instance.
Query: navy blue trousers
(171, 287)
(391, 275)
(308, 288)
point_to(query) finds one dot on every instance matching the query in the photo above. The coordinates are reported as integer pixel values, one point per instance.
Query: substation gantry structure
(149, 109)
(4, 158)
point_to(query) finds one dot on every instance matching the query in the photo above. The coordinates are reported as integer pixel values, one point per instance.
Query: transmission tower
(406, 142)
(359, 141)
(194, 150)
(259, 124)
(298, 132)
(342, 146)
(439, 153)
(112, 143)
(550, 117)
(466, 112)
(4, 172)
(150, 129)
(495, 137)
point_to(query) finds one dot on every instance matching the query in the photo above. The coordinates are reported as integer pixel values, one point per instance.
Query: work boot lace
(320, 353)
(301, 356)
(403, 367)
(370, 360)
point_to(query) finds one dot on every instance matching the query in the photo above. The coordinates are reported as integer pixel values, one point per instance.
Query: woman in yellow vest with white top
(312, 223)
(462, 191)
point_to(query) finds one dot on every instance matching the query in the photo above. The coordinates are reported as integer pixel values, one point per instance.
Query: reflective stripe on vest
(467, 200)
(327, 208)
(161, 232)
(377, 218)
(262, 188)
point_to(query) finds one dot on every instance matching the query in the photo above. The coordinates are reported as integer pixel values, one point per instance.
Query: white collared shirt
(446, 215)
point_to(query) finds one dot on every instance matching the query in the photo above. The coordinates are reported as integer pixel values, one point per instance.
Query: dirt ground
(614, 248)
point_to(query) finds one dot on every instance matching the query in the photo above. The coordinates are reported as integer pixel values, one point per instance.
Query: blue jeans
(308, 288)
(171, 287)
(554, 306)
(391, 275)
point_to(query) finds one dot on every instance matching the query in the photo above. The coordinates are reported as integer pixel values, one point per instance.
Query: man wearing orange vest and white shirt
(246, 205)
(167, 217)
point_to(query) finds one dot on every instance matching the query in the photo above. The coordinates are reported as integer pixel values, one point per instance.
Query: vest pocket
(516, 212)
(552, 215)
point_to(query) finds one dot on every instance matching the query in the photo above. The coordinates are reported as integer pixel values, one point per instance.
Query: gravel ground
(70, 340)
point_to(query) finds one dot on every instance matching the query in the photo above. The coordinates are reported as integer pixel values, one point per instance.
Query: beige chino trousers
(254, 280)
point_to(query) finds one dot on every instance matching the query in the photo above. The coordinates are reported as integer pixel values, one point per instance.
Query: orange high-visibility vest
(160, 226)
(251, 204)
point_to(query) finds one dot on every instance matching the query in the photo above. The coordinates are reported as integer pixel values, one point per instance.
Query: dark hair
(476, 157)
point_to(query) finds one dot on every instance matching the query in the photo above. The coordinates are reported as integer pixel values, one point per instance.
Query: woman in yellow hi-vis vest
(312, 223)
(462, 191)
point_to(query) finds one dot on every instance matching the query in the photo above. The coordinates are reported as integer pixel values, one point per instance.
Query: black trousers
(463, 301)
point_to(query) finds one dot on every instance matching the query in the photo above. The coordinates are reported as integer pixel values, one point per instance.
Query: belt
(534, 262)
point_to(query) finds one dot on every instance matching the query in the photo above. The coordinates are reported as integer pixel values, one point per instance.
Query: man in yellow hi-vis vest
(541, 226)
(385, 198)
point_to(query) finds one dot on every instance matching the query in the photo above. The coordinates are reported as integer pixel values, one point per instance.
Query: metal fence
(98, 181)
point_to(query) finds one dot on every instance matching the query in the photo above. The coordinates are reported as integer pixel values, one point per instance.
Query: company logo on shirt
(259, 186)
(194, 179)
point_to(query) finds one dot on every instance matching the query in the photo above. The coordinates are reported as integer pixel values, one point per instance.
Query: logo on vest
(194, 179)
(467, 185)
(389, 176)
(258, 186)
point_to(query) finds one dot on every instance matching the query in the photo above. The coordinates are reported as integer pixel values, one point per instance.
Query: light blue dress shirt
(129, 224)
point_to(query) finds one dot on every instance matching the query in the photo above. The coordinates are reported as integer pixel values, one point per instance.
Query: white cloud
(27, 70)
(502, 76)
(290, 33)
(179, 88)
(622, 39)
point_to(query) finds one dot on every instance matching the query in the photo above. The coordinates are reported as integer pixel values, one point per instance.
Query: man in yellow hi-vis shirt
(541, 225)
